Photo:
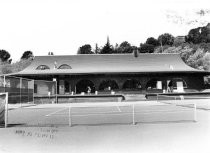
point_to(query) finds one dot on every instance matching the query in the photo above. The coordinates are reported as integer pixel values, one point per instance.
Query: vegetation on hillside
(7, 67)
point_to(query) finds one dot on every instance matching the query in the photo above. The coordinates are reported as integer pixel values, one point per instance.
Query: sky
(62, 26)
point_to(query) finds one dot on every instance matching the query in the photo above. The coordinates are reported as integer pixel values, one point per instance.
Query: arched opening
(154, 84)
(177, 84)
(83, 85)
(108, 85)
(132, 84)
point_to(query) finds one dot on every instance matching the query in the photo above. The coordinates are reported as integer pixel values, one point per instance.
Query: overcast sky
(62, 26)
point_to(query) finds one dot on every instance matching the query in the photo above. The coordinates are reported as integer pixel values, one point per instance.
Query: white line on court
(118, 108)
(122, 113)
(74, 114)
(56, 111)
(129, 113)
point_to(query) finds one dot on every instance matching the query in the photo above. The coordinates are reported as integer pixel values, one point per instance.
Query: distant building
(179, 39)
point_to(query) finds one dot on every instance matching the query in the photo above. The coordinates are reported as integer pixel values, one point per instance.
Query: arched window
(64, 66)
(132, 84)
(42, 67)
(108, 85)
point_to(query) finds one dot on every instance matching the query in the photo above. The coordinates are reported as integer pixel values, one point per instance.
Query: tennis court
(164, 109)
(100, 114)
(162, 126)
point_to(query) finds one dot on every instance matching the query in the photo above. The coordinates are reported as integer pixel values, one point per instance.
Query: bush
(7, 68)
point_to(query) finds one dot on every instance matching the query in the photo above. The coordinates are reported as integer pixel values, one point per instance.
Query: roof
(108, 63)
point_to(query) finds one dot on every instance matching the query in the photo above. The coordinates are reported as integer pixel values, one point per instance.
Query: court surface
(27, 131)
(98, 113)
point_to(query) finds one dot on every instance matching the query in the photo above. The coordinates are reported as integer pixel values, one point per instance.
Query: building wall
(194, 82)
(44, 87)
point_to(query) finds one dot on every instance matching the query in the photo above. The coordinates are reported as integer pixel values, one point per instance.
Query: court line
(119, 109)
(56, 111)
(93, 114)
(61, 114)
(123, 113)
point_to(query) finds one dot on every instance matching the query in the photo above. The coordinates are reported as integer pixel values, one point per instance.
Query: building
(119, 73)
(179, 40)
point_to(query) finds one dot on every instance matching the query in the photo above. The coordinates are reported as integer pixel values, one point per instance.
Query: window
(42, 67)
(64, 66)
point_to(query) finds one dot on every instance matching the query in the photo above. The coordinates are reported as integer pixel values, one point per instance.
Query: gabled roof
(109, 63)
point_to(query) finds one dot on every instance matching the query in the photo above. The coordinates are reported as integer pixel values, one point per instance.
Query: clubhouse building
(114, 73)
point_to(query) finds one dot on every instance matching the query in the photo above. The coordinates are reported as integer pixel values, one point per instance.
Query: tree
(152, 41)
(194, 36)
(50, 53)
(97, 49)
(107, 49)
(85, 49)
(166, 39)
(4, 56)
(124, 47)
(199, 35)
(27, 55)
(146, 48)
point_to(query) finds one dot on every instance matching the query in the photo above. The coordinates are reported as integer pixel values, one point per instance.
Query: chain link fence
(20, 90)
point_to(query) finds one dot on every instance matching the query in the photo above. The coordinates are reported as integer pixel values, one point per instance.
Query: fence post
(6, 110)
(33, 84)
(4, 84)
(20, 91)
(70, 116)
(133, 114)
(28, 90)
(56, 92)
(56, 89)
(195, 112)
